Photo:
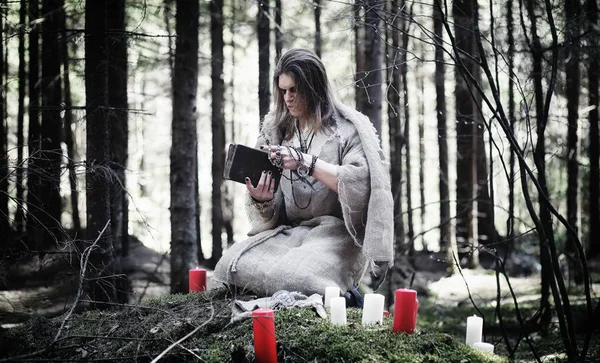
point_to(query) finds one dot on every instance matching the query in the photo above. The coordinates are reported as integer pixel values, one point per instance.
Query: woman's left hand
(283, 156)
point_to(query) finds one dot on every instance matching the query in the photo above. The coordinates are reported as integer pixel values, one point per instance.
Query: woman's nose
(287, 97)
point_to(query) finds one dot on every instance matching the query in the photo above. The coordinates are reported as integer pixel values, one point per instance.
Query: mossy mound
(142, 332)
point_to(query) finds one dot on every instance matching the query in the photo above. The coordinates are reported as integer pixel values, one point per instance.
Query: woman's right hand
(265, 189)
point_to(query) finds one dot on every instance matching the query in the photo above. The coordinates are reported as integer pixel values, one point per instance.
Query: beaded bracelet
(312, 165)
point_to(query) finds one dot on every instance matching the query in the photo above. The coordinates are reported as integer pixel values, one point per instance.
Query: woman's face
(287, 87)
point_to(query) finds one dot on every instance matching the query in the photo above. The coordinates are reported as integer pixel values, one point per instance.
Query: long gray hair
(312, 87)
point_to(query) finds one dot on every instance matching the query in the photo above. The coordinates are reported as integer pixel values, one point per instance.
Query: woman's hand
(282, 156)
(264, 190)
(289, 158)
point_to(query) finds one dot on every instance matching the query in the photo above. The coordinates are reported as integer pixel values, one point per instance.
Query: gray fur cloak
(309, 237)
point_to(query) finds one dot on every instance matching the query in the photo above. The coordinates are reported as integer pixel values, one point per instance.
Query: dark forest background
(116, 116)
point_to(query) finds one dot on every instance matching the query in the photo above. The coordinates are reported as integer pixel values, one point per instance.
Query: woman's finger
(261, 182)
(272, 185)
(267, 185)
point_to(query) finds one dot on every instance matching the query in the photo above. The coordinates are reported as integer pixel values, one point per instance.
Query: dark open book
(243, 161)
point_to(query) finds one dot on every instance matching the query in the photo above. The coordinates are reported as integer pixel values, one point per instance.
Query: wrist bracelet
(312, 165)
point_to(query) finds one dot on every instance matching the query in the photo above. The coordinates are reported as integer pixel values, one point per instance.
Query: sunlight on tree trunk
(68, 131)
(594, 134)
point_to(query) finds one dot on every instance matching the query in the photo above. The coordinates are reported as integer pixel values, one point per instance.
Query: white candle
(330, 292)
(338, 311)
(474, 330)
(486, 347)
(373, 309)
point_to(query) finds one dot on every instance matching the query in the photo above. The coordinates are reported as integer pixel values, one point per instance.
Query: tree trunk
(67, 131)
(359, 57)
(5, 229)
(51, 152)
(446, 241)
(594, 147)
(34, 206)
(99, 232)
(279, 40)
(396, 136)
(118, 136)
(404, 102)
(510, 222)
(466, 134)
(551, 274)
(228, 197)
(540, 163)
(184, 145)
(264, 52)
(317, 6)
(19, 217)
(199, 252)
(373, 76)
(572, 12)
(218, 125)
(141, 137)
(395, 131)
(421, 85)
(168, 14)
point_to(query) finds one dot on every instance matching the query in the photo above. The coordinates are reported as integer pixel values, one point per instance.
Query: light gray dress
(309, 236)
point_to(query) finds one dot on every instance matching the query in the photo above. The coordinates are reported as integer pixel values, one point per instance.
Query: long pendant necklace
(304, 146)
(304, 143)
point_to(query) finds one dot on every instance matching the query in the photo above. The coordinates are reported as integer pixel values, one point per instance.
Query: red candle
(405, 311)
(263, 325)
(197, 279)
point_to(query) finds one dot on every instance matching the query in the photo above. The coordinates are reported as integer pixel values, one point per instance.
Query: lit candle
(474, 330)
(338, 310)
(330, 293)
(405, 311)
(263, 325)
(373, 309)
(485, 347)
(197, 279)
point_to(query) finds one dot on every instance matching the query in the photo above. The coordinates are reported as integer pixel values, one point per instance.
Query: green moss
(438, 316)
(303, 335)
(142, 332)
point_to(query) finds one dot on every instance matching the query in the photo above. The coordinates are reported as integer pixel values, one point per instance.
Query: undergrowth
(142, 332)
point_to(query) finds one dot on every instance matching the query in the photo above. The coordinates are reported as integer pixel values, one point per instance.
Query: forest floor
(47, 289)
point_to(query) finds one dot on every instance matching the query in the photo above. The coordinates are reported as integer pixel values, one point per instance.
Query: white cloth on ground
(281, 299)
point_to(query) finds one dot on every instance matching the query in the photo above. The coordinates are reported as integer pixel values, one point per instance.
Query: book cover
(243, 161)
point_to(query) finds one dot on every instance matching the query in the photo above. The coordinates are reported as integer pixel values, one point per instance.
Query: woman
(331, 218)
